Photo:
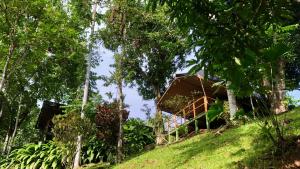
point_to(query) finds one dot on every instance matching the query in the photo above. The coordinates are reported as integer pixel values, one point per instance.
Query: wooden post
(181, 120)
(195, 120)
(169, 131)
(202, 86)
(194, 109)
(174, 121)
(177, 134)
(205, 104)
(184, 115)
(205, 109)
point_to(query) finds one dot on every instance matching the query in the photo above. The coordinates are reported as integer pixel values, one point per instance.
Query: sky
(132, 98)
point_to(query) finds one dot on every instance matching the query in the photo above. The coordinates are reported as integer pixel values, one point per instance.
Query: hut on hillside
(187, 100)
(44, 122)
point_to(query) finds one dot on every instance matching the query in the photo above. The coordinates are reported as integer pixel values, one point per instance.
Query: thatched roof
(187, 86)
(48, 111)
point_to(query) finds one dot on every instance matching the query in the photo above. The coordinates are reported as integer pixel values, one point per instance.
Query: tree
(292, 68)
(231, 38)
(44, 57)
(37, 45)
(118, 75)
(243, 42)
(86, 83)
(147, 110)
(154, 48)
(231, 100)
(117, 78)
(108, 123)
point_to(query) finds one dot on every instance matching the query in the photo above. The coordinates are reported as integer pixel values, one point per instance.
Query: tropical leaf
(215, 110)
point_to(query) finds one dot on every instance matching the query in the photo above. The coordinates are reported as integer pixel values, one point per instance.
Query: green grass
(236, 147)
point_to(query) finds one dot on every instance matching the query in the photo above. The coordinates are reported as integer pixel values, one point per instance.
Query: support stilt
(177, 134)
(205, 109)
(169, 130)
(184, 115)
(194, 111)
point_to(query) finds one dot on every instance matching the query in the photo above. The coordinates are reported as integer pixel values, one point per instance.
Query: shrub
(183, 129)
(66, 129)
(68, 126)
(96, 150)
(53, 155)
(136, 136)
(35, 156)
(107, 121)
(215, 110)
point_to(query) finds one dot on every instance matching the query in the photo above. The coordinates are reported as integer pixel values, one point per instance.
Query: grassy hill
(235, 148)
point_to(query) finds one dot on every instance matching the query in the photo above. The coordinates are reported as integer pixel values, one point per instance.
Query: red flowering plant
(107, 121)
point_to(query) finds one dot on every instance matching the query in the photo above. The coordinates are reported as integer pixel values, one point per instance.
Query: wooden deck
(188, 115)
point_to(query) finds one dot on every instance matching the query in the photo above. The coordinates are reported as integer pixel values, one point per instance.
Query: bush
(136, 136)
(66, 129)
(35, 156)
(55, 156)
(183, 129)
(96, 150)
(68, 126)
(215, 110)
(107, 121)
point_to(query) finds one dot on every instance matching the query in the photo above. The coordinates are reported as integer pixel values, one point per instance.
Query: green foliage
(215, 110)
(27, 132)
(220, 109)
(183, 129)
(75, 104)
(153, 47)
(6, 114)
(96, 150)
(66, 129)
(241, 117)
(290, 101)
(136, 136)
(68, 126)
(48, 57)
(240, 113)
(147, 110)
(292, 70)
(43, 46)
(37, 156)
(272, 127)
(235, 40)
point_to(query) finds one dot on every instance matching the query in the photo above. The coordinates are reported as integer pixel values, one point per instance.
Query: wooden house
(44, 122)
(200, 93)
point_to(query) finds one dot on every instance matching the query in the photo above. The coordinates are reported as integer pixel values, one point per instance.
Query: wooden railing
(189, 112)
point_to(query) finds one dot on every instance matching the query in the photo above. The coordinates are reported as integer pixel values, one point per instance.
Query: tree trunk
(252, 106)
(11, 141)
(7, 138)
(158, 119)
(119, 79)
(121, 103)
(5, 69)
(76, 163)
(231, 101)
(2, 109)
(278, 90)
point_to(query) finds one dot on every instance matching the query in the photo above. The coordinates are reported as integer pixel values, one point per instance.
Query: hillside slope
(235, 148)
